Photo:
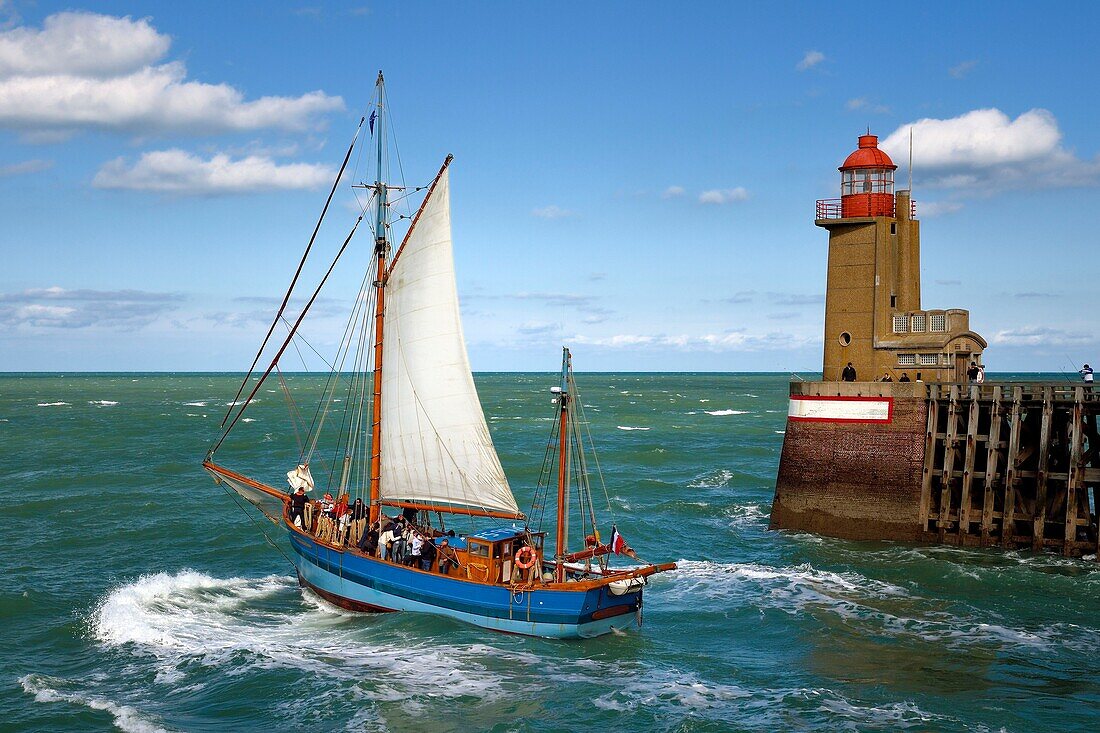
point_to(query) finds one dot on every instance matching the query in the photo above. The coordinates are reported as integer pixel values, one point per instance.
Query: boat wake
(54, 690)
(189, 620)
(871, 608)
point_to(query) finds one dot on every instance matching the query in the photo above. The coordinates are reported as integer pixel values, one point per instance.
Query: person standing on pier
(972, 373)
(1086, 373)
(848, 374)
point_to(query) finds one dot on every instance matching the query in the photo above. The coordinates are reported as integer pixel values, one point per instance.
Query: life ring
(526, 557)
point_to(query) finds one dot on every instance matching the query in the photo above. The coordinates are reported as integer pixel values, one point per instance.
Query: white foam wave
(712, 480)
(868, 606)
(127, 719)
(195, 404)
(248, 419)
(192, 616)
(240, 402)
(103, 403)
(628, 427)
(726, 412)
(52, 404)
(746, 515)
(671, 692)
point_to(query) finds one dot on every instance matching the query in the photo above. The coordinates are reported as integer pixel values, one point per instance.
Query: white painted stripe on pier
(841, 409)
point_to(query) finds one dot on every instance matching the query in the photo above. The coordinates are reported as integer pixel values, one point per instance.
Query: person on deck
(357, 520)
(448, 560)
(849, 373)
(416, 545)
(400, 543)
(427, 555)
(385, 542)
(1086, 373)
(368, 543)
(904, 377)
(298, 507)
(887, 378)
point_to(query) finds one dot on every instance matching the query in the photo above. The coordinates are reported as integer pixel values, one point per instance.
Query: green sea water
(138, 597)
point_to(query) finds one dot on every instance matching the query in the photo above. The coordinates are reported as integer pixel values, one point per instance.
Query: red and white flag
(618, 544)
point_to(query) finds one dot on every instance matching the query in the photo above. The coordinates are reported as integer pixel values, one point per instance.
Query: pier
(1015, 465)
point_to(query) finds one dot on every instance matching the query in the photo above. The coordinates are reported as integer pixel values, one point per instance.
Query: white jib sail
(300, 477)
(436, 447)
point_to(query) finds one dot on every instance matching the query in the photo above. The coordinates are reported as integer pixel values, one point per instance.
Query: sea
(137, 596)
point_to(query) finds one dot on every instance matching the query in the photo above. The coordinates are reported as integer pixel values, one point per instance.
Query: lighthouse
(935, 459)
(873, 313)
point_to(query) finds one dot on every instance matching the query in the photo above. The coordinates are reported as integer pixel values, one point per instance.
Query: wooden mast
(563, 468)
(380, 247)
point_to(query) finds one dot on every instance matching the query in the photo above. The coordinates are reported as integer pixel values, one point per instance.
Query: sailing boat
(430, 460)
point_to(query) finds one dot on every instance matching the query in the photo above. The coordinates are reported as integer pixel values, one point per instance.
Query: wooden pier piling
(1008, 464)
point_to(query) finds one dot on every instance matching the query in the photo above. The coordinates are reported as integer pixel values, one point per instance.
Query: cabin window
(893, 227)
(907, 359)
(937, 322)
(476, 548)
(901, 324)
(920, 323)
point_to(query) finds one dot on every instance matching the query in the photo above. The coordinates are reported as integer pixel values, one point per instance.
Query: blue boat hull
(370, 584)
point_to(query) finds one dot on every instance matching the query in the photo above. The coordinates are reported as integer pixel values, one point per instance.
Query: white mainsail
(436, 447)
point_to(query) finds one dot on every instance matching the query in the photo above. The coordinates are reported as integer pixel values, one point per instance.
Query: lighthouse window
(919, 324)
(929, 359)
(937, 322)
(845, 338)
(907, 359)
(901, 323)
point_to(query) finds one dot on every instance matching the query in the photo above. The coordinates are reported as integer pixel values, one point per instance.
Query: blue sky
(634, 179)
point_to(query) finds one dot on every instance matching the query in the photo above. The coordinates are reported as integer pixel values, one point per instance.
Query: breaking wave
(126, 718)
(628, 427)
(191, 617)
(719, 413)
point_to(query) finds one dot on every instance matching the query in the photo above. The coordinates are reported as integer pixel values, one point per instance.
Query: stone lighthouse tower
(873, 314)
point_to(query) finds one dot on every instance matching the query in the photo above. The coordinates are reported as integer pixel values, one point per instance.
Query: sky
(634, 180)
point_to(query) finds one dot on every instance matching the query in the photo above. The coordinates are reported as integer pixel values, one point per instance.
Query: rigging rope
(263, 530)
(286, 343)
(294, 280)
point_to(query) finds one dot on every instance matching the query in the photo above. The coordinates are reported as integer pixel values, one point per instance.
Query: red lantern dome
(867, 181)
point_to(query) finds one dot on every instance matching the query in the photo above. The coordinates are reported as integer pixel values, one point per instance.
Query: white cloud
(723, 195)
(26, 166)
(736, 340)
(85, 70)
(810, 60)
(929, 209)
(673, 192)
(56, 307)
(81, 44)
(179, 172)
(862, 103)
(1039, 336)
(551, 212)
(984, 150)
(962, 69)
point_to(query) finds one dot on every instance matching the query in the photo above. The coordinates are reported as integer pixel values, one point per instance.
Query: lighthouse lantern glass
(867, 180)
